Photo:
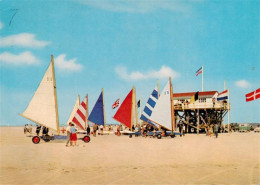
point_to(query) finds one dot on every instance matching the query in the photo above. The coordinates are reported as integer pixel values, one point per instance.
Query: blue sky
(117, 44)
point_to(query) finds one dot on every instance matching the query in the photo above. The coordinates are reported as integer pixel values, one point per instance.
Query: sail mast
(104, 108)
(135, 106)
(132, 108)
(86, 122)
(55, 96)
(172, 106)
(158, 87)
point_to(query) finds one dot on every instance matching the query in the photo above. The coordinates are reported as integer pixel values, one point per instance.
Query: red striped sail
(124, 113)
(80, 116)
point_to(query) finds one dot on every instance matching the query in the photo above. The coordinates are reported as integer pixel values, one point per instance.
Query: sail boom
(161, 125)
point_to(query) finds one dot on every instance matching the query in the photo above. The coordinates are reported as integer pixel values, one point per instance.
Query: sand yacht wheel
(36, 139)
(86, 139)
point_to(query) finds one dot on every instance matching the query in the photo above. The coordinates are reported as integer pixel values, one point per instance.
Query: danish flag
(116, 104)
(253, 95)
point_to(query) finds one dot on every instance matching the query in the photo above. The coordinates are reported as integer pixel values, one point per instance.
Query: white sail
(74, 110)
(42, 108)
(162, 111)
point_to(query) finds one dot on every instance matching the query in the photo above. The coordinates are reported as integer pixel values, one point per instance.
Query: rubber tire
(86, 139)
(159, 136)
(36, 139)
(46, 140)
(173, 135)
(130, 136)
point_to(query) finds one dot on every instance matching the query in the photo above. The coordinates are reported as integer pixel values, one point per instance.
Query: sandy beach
(109, 159)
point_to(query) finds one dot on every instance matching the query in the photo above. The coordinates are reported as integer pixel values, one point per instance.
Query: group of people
(182, 104)
(212, 129)
(28, 129)
(71, 135)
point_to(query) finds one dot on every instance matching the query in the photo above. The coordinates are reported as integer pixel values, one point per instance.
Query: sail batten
(42, 108)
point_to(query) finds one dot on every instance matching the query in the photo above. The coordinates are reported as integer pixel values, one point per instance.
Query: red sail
(124, 113)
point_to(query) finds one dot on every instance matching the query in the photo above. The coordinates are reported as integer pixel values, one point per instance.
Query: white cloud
(67, 65)
(22, 40)
(25, 58)
(141, 6)
(242, 84)
(164, 72)
(1, 24)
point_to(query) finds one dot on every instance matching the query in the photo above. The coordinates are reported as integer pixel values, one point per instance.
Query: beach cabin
(200, 112)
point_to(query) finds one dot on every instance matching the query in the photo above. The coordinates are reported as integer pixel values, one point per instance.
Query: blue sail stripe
(151, 102)
(155, 94)
(147, 111)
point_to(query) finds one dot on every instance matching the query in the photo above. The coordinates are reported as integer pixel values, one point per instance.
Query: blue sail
(97, 113)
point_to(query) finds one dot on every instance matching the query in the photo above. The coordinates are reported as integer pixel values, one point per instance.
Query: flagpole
(158, 86)
(136, 119)
(86, 123)
(228, 113)
(198, 121)
(202, 79)
(224, 85)
(140, 112)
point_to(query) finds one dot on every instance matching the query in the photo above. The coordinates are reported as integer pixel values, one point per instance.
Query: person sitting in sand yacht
(118, 133)
(38, 129)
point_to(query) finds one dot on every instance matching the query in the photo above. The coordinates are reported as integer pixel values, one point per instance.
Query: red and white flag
(116, 104)
(253, 95)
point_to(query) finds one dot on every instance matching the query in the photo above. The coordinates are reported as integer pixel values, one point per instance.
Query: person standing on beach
(183, 130)
(94, 130)
(25, 129)
(216, 130)
(88, 130)
(68, 134)
(101, 129)
(73, 135)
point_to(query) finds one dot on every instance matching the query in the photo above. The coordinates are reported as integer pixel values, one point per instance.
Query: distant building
(200, 114)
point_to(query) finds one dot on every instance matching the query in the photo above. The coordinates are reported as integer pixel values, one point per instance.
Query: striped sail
(80, 116)
(149, 107)
(161, 114)
(74, 110)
